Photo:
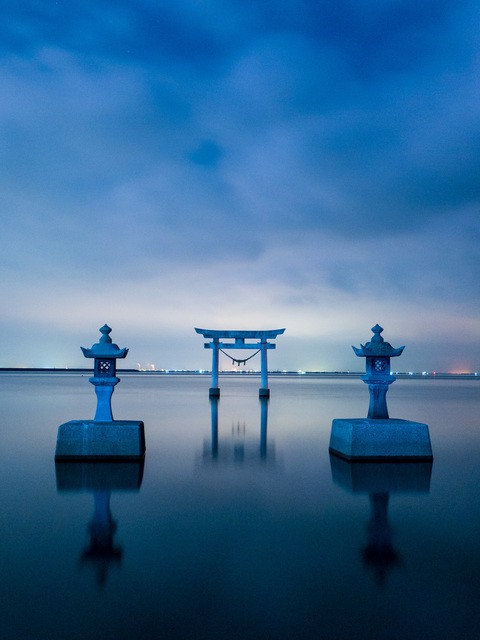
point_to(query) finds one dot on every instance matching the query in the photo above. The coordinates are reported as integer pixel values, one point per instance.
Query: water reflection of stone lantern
(379, 437)
(101, 479)
(377, 354)
(380, 480)
(103, 437)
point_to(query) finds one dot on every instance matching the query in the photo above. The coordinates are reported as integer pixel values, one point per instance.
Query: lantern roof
(377, 346)
(105, 348)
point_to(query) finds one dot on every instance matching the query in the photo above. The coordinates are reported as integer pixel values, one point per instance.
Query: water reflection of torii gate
(261, 345)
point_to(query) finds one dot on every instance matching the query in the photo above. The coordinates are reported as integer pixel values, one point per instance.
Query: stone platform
(380, 439)
(96, 440)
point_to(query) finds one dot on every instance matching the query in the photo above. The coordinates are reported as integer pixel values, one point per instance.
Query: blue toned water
(247, 531)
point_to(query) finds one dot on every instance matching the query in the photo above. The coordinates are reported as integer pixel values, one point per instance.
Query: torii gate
(261, 345)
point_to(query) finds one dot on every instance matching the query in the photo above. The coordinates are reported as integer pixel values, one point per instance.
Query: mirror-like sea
(239, 524)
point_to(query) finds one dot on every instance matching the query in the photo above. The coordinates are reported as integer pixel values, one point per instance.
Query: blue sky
(308, 165)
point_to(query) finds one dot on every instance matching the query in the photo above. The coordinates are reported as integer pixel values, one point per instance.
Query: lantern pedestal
(381, 439)
(93, 439)
(104, 388)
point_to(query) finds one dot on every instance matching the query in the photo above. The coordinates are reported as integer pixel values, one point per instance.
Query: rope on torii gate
(239, 361)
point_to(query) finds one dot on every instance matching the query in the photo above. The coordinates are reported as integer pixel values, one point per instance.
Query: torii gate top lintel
(247, 335)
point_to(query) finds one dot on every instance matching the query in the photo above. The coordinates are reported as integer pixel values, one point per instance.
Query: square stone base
(89, 439)
(381, 439)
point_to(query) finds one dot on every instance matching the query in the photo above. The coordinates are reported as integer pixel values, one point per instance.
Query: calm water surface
(239, 524)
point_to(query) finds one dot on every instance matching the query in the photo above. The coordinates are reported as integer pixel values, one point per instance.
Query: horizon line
(274, 372)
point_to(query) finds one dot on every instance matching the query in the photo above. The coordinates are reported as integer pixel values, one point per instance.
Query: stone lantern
(102, 438)
(377, 353)
(379, 437)
(105, 353)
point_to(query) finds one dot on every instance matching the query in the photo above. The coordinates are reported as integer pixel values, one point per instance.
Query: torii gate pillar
(260, 343)
(214, 391)
(264, 391)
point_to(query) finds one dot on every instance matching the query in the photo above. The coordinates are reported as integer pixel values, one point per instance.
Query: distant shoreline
(275, 374)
